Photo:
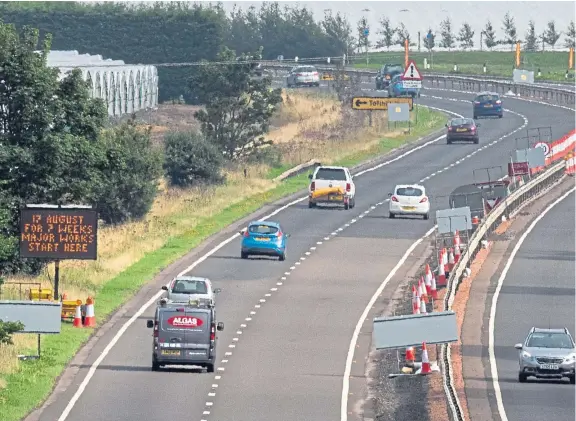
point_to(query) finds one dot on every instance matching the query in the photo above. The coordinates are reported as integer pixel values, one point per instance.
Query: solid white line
(492, 357)
(350, 356)
(156, 297)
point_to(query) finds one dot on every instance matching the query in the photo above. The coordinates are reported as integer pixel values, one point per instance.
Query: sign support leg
(56, 278)
(39, 346)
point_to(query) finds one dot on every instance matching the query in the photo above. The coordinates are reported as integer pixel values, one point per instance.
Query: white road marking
(156, 297)
(262, 300)
(220, 368)
(224, 361)
(273, 289)
(227, 354)
(215, 386)
(292, 267)
(231, 346)
(248, 319)
(218, 377)
(267, 295)
(352, 347)
(206, 413)
(211, 394)
(492, 356)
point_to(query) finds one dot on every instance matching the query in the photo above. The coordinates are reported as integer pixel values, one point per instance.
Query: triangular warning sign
(492, 202)
(411, 72)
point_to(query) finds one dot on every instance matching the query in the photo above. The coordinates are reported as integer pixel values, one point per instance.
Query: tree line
(57, 146)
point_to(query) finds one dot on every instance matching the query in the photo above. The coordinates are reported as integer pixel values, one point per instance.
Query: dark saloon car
(386, 73)
(462, 129)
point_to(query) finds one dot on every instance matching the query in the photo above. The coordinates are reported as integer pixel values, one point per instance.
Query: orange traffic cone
(433, 291)
(426, 369)
(441, 274)
(475, 220)
(415, 300)
(428, 281)
(423, 307)
(410, 357)
(457, 254)
(445, 262)
(422, 290)
(457, 247)
(90, 319)
(78, 314)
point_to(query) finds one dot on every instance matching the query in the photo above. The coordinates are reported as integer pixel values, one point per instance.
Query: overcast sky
(424, 14)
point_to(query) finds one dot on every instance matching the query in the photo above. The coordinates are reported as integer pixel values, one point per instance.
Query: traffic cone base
(78, 317)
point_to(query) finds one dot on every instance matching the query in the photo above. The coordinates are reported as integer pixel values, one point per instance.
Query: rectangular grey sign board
(522, 76)
(37, 316)
(398, 112)
(451, 220)
(413, 329)
(535, 157)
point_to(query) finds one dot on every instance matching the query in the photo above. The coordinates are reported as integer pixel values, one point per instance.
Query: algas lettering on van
(185, 321)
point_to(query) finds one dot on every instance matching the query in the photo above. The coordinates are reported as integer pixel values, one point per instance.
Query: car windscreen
(408, 191)
(460, 121)
(550, 340)
(187, 286)
(331, 174)
(262, 229)
(392, 68)
(305, 70)
(486, 98)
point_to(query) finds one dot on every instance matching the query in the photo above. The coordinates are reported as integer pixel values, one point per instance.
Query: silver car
(548, 354)
(303, 76)
(182, 289)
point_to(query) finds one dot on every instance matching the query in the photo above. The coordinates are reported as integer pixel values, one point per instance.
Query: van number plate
(549, 367)
(170, 352)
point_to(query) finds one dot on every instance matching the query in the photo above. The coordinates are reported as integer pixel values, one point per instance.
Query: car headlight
(570, 358)
(526, 355)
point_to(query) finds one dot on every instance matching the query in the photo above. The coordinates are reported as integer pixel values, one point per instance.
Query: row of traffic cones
(89, 318)
(422, 368)
(447, 258)
(424, 292)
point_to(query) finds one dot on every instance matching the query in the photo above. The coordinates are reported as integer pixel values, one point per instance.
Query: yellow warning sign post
(372, 103)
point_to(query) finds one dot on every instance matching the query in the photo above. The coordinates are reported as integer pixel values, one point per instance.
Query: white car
(409, 199)
(331, 185)
(182, 289)
(303, 76)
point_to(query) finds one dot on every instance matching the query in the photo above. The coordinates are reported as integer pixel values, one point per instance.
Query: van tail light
(213, 332)
(315, 73)
(498, 102)
(313, 186)
(476, 102)
(299, 74)
(449, 128)
(394, 199)
(155, 329)
(473, 128)
(348, 187)
(279, 234)
(246, 234)
(424, 199)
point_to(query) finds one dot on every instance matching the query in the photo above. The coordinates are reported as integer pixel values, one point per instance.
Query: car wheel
(209, 368)
(353, 203)
(391, 215)
(448, 142)
(346, 206)
(317, 85)
(155, 366)
(522, 377)
(243, 255)
(282, 257)
(476, 141)
(311, 205)
(427, 216)
(572, 378)
(500, 116)
(475, 117)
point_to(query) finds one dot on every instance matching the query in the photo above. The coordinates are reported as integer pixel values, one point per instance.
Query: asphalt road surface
(537, 291)
(288, 360)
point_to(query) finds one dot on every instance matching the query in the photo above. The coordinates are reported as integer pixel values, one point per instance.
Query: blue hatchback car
(487, 104)
(397, 89)
(264, 238)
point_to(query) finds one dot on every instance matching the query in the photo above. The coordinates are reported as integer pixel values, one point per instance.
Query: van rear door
(191, 330)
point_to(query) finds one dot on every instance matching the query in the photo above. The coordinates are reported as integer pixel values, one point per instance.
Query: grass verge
(552, 64)
(31, 382)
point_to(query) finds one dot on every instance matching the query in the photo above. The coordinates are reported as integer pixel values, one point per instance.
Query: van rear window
(331, 174)
(189, 286)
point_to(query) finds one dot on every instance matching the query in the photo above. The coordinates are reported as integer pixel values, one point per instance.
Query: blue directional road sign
(366, 32)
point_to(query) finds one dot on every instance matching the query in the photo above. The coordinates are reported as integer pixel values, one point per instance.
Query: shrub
(130, 171)
(191, 160)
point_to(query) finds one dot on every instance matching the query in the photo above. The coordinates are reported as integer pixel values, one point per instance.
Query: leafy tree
(429, 40)
(338, 31)
(531, 41)
(466, 36)
(489, 36)
(191, 160)
(363, 39)
(509, 28)
(129, 171)
(446, 33)
(386, 33)
(551, 36)
(7, 329)
(570, 40)
(243, 32)
(238, 107)
(402, 35)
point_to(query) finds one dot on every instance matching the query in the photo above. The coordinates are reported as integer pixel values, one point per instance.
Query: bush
(130, 172)
(191, 160)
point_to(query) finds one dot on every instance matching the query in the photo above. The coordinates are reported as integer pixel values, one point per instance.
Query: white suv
(331, 185)
(409, 199)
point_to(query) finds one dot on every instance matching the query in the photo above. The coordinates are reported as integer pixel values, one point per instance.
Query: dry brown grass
(307, 126)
